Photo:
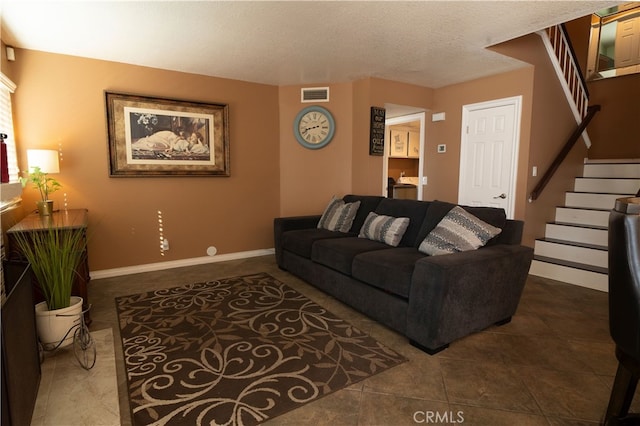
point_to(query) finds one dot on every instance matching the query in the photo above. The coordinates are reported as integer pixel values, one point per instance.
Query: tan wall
(443, 169)
(368, 169)
(310, 177)
(614, 130)
(60, 104)
(551, 124)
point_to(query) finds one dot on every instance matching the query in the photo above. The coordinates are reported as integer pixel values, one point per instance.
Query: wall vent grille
(314, 94)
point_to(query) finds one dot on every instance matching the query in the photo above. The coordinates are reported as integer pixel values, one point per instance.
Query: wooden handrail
(583, 81)
(591, 111)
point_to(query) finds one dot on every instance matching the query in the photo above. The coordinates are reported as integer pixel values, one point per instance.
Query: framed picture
(398, 140)
(376, 131)
(166, 137)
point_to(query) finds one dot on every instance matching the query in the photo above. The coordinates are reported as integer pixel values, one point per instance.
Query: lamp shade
(46, 159)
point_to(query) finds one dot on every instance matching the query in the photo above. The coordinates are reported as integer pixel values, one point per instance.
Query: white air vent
(314, 94)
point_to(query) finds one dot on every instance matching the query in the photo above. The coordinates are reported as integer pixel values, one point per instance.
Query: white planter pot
(53, 325)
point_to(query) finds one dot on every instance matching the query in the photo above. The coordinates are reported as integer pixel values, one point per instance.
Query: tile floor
(552, 365)
(67, 390)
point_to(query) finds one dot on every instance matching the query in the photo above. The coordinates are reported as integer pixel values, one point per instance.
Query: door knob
(503, 196)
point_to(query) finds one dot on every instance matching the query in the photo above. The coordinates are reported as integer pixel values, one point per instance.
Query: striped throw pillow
(338, 216)
(458, 231)
(386, 229)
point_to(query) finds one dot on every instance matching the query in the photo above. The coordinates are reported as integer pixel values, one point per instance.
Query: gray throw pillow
(386, 229)
(338, 216)
(458, 231)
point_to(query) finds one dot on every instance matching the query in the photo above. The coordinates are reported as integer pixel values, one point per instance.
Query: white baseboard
(159, 266)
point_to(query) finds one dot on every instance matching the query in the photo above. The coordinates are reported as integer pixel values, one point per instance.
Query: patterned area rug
(237, 351)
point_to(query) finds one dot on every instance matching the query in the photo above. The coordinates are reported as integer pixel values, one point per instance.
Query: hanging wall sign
(376, 132)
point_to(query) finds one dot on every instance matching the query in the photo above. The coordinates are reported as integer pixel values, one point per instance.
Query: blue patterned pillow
(338, 216)
(386, 229)
(458, 231)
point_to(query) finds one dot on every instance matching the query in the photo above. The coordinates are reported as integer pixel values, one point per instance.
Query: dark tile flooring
(552, 365)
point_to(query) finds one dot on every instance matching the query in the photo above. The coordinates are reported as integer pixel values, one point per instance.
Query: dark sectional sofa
(433, 300)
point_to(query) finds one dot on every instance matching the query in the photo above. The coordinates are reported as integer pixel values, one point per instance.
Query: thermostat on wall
(442, 148)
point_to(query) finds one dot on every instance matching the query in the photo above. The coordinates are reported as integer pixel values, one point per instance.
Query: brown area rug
(237, 351)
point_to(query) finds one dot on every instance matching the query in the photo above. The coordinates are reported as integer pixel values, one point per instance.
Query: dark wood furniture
(20, 354)
(63, 219)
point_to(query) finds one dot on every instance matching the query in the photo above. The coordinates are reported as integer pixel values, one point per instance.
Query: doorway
(489, 153)
(403, 160)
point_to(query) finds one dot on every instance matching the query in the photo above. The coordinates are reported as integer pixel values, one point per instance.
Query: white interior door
(489, 152)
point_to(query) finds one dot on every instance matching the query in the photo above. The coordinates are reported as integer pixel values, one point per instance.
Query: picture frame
(150, 136)
(376, 131)
(398, 144)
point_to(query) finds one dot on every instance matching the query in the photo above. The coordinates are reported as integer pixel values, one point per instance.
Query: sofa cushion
(386, 229)
(390, 270)
(300, 241)
(413, 209)
(458, 231)
(338, 216)
(368, 203)
(338, 253)
(438, 210)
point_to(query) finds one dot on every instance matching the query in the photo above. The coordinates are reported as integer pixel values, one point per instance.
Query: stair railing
(591, 111)
(573, 84)
(566, 66)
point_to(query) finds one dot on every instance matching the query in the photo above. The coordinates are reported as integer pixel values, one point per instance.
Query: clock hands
(306, 129)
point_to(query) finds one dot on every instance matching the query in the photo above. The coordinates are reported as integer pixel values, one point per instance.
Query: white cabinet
(414, 145)
(399, 141)
(404, 144)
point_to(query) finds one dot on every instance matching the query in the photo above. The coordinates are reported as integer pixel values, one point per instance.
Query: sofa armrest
(454, 295)
(284, 224)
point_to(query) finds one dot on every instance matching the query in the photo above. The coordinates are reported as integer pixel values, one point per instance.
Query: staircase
(574, 248)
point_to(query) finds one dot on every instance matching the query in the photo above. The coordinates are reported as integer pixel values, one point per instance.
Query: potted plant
(45, 185)
(54, 254)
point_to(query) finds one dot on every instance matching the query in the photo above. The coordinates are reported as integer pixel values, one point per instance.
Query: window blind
(7, 87)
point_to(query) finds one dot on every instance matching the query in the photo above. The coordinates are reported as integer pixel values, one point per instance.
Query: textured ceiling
(428, 43)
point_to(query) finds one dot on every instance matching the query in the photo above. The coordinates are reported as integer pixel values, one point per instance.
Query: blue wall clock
(314, 127)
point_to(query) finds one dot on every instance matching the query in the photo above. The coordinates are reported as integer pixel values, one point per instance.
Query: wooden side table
(63, 219)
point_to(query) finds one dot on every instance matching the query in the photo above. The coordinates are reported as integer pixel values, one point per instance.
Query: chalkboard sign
(376, 133)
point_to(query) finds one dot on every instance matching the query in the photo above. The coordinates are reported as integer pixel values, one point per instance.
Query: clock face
(314, 127)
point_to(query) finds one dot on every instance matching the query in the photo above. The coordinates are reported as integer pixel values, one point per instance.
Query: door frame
(418, 116)
(516, 101)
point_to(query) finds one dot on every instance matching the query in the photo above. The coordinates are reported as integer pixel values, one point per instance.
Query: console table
(63, 219)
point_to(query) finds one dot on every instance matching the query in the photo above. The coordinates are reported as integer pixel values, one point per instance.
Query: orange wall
(60, 104)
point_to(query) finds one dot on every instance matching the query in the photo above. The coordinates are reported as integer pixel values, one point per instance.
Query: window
(10, 191)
